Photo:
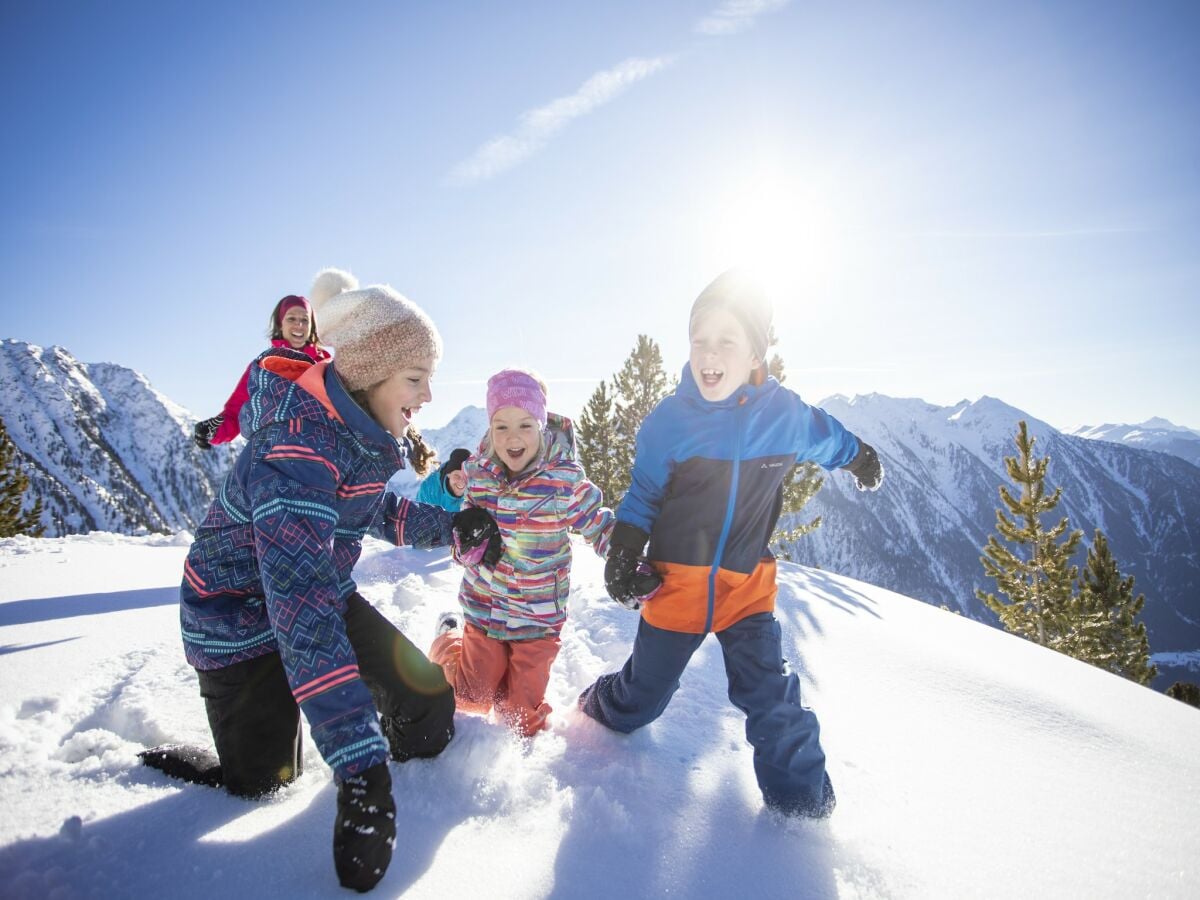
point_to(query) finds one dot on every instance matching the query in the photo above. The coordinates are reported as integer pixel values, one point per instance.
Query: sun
(784, 227)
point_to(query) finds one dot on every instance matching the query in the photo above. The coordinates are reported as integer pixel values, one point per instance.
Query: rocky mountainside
(103, 450)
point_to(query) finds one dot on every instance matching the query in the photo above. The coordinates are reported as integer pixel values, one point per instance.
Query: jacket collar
(354, 416)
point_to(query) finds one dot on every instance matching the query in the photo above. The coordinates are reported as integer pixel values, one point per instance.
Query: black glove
(476, 537)
(866, 468)
(630, 580)
(365, 831)
(206, 430)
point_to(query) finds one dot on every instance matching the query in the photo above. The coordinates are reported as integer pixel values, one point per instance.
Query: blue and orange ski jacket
(707, 486)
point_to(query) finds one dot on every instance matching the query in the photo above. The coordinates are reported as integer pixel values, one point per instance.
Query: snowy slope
(968, 763)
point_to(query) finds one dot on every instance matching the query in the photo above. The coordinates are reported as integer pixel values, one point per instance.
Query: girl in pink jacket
(293, 324)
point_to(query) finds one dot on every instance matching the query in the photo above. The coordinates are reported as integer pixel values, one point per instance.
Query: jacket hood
(286, 384)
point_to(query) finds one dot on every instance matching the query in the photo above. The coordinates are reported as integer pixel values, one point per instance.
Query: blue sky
(950, 199)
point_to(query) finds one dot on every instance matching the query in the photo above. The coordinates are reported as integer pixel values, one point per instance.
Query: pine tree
(13, 485)
(800, 486)
(1105, 632)
(597, 438)
(1186, 692)
(1035, 578)
(637, 388)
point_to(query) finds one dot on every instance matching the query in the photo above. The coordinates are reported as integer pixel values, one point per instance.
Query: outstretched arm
(587, 514)
(406, 523)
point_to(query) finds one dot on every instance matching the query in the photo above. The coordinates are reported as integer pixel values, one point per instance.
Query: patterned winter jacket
(707, 486)
(228, 428)
(525, 595)
(270, 568)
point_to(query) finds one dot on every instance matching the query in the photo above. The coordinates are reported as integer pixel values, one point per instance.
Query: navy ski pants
(788, 760)
(255, 721)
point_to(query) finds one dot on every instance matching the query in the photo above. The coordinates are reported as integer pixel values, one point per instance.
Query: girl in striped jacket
(498, 653)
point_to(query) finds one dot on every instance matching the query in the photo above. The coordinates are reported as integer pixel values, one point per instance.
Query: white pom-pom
(329, 283)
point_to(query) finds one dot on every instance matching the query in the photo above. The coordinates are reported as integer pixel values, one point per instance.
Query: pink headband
(293, 300)
(512, 387)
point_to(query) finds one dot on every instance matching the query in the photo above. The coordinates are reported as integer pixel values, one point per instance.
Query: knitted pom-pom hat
(375, 331)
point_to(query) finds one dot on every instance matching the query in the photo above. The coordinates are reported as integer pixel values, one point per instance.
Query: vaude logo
(774, 465)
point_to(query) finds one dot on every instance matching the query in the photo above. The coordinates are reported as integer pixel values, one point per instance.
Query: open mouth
(711, 377)
(514, 454)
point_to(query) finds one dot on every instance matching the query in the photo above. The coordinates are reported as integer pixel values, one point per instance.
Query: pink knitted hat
(515, 387)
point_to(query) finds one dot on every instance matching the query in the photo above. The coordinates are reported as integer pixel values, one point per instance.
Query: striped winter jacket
(525, 595)
(707, 486)
(270, 568)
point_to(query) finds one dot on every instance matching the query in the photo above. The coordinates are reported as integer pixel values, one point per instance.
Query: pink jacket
(229, 428)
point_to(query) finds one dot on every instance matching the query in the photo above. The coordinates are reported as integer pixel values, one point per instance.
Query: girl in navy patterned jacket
(271, 618)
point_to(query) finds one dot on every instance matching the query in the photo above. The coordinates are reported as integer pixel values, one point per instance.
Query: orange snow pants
(508, 675)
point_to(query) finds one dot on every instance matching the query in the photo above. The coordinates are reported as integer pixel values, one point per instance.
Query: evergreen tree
(637, 388)
(1186, 692)
(13, 485)
(1035, 578)
(597, 438)
(800, 486)
(1105, 631)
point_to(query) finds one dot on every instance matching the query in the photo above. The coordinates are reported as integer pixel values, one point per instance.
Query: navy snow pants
(255, 721)
(788, 760)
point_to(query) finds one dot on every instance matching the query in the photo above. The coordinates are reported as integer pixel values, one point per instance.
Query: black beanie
(738, 292)
(454, 463)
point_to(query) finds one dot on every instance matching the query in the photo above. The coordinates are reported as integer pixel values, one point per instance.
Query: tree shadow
(47, 609)
(17, 648)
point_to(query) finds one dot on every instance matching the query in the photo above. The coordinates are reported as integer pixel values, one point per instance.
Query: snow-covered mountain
(103, 450)
(923, 533)
(466, 429)
(1153, 434)
(968, 763)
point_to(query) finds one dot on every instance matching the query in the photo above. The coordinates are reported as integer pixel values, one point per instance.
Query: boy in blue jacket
(706, 492)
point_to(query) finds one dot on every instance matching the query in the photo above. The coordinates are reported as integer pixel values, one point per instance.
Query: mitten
(206, 430)
(630, 580)
(476, 537)
(365, 831)
(866, 468)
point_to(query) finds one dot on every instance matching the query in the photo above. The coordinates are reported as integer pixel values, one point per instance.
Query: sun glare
(787, 231)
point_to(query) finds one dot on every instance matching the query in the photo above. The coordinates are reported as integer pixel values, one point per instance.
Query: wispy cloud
(536, 126)
(733, 16)
(1029, 235)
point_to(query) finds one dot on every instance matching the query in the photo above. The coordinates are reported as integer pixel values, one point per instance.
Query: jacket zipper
(725, 527)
